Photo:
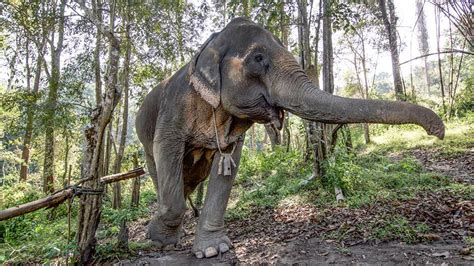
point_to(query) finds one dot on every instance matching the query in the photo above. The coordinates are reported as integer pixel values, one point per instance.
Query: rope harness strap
(226, 162)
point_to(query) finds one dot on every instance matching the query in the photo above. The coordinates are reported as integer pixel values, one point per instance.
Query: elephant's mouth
(277, 115)
(260, 110)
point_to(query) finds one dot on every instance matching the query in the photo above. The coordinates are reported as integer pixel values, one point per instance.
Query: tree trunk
(136, 184)
(97, 11)
(122, 238)
(66, 158)
(123, 134)
(252, 139)
(286, 132)
(284, 21)
(313, 129)
(107, 150)
(116, 187)
(320, 129)
(423, 40)
(90, 205)
(25, 154)
(348, 138)
(51, 103)
(328, 132)
(317, 128)
(328, 76)
(274, 135)
(305, 62)
(97, 14)
(366, 86)
(440, 71)
(451, 74)
(390, 23)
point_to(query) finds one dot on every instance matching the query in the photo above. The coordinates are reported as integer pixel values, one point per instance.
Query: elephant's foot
(209, 244)
(163, 235)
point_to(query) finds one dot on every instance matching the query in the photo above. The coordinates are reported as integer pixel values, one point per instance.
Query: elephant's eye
(258, 58)
(257, 64)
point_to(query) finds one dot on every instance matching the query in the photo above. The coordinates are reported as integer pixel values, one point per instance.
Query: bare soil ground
(459, 166)
(309, 235)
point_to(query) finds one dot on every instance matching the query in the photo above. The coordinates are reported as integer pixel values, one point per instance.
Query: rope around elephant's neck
(225, 158)
(217, 135)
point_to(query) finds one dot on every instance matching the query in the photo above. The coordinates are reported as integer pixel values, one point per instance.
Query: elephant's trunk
(295, 93)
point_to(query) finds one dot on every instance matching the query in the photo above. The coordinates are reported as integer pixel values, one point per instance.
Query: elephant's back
(147, 114)
(167, 96)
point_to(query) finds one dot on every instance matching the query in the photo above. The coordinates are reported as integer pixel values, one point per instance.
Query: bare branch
(101, 27)
(442, 52)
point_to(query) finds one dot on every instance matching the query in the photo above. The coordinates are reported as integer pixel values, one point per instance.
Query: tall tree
(305, 62)
(125, 81)
(97, 13)
(135, 201)
(389, 18)
(438, 37)
(40, 40)
(328, 135)
(90, 205)
(52, 100)
(423, 40)
(284, 19)
(328, 75)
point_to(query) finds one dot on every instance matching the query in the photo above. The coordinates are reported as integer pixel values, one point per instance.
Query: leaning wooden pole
(61, 196)
(48, 202)
(122, 176)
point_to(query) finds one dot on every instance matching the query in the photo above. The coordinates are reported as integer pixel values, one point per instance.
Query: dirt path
(314, 252)
(308, 235)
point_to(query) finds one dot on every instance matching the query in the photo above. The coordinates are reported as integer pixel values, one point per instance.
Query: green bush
(266, 178)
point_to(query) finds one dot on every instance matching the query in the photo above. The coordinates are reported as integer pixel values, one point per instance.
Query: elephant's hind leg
(211, 238)
(165, 228)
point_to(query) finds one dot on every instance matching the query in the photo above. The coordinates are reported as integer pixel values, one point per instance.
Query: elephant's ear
(204, 70)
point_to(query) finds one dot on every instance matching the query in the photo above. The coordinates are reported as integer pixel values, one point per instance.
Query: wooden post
(136, 185)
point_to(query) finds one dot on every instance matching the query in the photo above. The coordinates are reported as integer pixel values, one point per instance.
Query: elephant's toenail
(210, 252)
(199, 255)
(223, 247)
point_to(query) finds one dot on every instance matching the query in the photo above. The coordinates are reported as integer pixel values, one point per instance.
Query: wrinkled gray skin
(247, 76)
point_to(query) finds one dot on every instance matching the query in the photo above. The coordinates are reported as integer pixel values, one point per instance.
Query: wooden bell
(227, 166)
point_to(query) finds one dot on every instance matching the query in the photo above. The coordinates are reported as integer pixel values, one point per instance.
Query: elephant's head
(247, 70)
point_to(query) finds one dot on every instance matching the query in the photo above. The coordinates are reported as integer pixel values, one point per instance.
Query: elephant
(192, 124)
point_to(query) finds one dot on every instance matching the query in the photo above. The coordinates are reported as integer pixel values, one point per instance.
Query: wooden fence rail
(62, 195)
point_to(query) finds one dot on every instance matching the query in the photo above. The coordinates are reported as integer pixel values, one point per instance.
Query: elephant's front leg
(165, 226)
(210, 237)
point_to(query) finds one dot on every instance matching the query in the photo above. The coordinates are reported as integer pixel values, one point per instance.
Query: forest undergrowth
(403, 186)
